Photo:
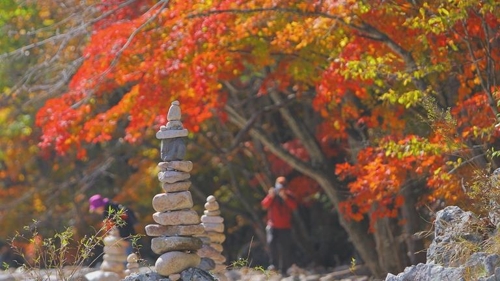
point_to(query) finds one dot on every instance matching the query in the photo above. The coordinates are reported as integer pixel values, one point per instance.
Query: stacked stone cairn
(132, 264)
(177, 224)
(214, 236)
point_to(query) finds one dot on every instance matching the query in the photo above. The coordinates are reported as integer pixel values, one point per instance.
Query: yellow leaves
(38, 204)
(407, 99)
(44, 14)
(343, 42)
(4, 113)
(477, 80)
(46, 17)
(297, 35)
(336, 124)
(48, 22)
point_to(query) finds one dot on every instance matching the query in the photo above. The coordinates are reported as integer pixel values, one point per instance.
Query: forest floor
(342, 273)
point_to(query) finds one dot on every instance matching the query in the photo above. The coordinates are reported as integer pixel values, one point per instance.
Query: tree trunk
(415, 245)
(360, 237)
(391, 249)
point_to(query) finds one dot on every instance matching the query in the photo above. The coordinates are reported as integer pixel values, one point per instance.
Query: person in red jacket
(280, 204)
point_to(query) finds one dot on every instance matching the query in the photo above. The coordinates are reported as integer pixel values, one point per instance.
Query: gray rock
(206, 264)
(456, 235)
(428, 272)
(485, 262)
(7, 277)
(452, 225)
(196, 274)
(149, 276)
(172, 149)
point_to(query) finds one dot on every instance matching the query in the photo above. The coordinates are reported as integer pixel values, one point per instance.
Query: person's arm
(268, 200)
(289, 201)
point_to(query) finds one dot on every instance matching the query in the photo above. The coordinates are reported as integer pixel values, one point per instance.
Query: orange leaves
(481, 127)
(345, 55)
(304, 189)
(380, 174)
(58, 118)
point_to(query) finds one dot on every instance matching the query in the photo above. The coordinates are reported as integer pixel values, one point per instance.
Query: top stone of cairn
(174, 127)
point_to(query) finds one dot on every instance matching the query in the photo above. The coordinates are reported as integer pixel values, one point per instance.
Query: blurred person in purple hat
(115, 215)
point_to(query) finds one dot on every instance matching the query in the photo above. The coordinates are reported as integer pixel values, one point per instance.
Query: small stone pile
(115, 254)
(177, 223)
(132, 264)
(113, 265)
(213, 224)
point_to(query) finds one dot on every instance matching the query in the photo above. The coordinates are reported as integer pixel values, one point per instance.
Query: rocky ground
(344, 273)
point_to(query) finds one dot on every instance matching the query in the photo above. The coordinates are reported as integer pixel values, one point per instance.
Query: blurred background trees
(379, 113)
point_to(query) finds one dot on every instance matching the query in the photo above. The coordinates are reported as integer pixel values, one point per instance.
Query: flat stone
(211, 198)
(117, 258)
(183, 166)
(170, 134)
(172, 230)
(117, 243)
(176, 262)
(176, 217)
(219, 258)
(111, 240)
(212, 219)
(212, 206)
(114, 250)
(207, 251)
(102, 276)
(113, 266)
(163, 244)
(172, 176)
(211, 213)
(172, 201)
(213, 227)
(176, 186)
(204, 238)
(217, 246)
(216, 237)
